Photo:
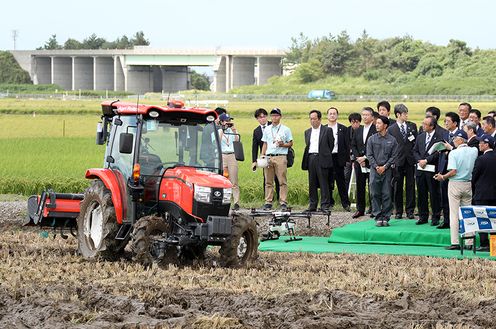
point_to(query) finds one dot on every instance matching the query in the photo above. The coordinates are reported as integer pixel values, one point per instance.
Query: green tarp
(403, 232)
(403, 237)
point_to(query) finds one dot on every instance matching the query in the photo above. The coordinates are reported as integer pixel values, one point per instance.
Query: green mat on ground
(400, 232)
(321, 245)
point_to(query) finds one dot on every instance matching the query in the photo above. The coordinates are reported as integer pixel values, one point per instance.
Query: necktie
(451, 137)
(427, 139)
(403, 131)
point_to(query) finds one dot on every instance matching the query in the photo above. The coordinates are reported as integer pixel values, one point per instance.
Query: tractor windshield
(166, 145)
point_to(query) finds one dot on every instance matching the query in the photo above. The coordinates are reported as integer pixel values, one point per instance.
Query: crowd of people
(431, 168)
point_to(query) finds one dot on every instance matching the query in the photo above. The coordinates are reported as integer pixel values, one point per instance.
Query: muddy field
(44, 284)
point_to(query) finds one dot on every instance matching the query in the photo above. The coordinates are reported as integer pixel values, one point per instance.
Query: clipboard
(428, 168)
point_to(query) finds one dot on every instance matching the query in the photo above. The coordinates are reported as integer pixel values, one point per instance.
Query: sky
(245, 24)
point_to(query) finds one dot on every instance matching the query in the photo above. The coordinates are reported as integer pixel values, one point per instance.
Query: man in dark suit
(426, 184)
(340, 155)
(359, 149)
(451, 122)
(384, 108)
(405, 133)
(355, 120)
(317, 159)
(483, 178)
(256, 144)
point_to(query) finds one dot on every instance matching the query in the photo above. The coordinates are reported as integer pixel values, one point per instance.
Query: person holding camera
(227, 136)
(277, 140)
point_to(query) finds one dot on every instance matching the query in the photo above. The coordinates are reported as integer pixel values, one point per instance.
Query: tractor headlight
(226, 197)
(202, 193)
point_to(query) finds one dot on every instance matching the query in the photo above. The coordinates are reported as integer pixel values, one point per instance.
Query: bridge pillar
(174, 78)
(82, 73)
(103, 73)
(220, 75)
(119, 75)
(42, 70)
(139, 79)
(267, 68)
(243, 71)
(62, 72)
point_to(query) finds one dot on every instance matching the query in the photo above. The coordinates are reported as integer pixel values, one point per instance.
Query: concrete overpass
(145, 69)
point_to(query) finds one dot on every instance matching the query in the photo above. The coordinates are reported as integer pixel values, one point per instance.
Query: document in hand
(365, 170)
(428, 167)
(439, 146)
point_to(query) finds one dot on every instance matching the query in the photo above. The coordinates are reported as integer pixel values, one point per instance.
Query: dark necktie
(451, 137)
(403, 131)
(427, 139)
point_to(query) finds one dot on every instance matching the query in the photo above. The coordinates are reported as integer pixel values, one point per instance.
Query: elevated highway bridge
(145, 69)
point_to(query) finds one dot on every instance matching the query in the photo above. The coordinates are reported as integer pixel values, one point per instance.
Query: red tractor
(161, 188)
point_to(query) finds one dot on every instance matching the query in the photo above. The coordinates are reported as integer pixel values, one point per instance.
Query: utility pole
(15, 35)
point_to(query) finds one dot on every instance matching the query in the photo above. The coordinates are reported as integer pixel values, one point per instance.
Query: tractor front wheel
(145, 231)
(97, 224)
(242, 246)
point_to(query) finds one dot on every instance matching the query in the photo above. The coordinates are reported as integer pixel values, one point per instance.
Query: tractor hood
(199, 177)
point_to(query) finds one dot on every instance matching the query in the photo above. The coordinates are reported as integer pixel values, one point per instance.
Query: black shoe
(357, 214)
(483, 249)
(369, 212)
(443, 226)
(398, 216)
(421, 221)
(410, 216)
(434, 222)
(309, 210)
(267, 206)
(284, 207)
(347, 208)
(235, 207)
(325, 209)
(453, 247)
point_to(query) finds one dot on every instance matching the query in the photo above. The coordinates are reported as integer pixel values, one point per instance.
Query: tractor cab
(168, 158)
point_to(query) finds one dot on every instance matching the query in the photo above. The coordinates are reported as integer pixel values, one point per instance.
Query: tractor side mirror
(100, 136)
(126, 143)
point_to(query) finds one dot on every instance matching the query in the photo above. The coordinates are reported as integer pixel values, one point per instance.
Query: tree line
(391, 59)
(96, 42)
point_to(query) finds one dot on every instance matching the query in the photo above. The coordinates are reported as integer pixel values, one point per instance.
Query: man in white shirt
(340, 156)
(463, 112)
(317, 159)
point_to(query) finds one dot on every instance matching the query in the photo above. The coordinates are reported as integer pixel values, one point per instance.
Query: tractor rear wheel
(145, 230)
(242, 246)
(97, 224)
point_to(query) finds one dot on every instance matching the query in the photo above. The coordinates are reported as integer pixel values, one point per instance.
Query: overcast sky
(246, 24)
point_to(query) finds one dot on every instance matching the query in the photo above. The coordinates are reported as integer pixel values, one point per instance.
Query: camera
(229, 124)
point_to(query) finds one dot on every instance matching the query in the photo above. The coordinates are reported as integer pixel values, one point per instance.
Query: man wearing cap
(461, 162)
(227, 135)
(277, 140)
(382, 150)
(483, 180)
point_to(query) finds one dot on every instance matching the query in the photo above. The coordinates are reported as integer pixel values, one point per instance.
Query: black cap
(276, 111)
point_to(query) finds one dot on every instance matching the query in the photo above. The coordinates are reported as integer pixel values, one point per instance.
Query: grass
(53, 151)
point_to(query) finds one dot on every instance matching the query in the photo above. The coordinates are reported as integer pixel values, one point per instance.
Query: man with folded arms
(461, 162)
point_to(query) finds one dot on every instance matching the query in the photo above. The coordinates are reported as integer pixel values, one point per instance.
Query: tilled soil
(43, 283)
